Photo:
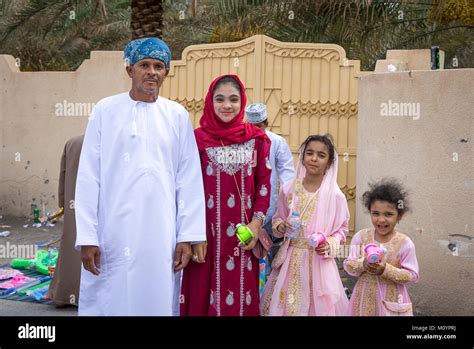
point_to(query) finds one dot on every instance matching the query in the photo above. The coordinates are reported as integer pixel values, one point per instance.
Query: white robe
(139, 192)
(281, 161)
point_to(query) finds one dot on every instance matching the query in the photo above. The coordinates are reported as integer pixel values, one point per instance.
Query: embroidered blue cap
(256, 113)
(147, 48)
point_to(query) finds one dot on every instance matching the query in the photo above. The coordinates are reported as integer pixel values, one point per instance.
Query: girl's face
(316, 158)
(384, 216)
(226, 101)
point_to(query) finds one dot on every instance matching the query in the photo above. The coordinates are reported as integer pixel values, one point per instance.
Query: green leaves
(58, 35)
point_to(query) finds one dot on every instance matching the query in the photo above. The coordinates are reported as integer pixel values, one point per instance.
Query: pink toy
(317, 239)
(8, 273)
(374, 253)
(16, 281)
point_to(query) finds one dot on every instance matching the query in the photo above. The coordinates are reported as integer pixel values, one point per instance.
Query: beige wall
(33, 136)
(422, 153)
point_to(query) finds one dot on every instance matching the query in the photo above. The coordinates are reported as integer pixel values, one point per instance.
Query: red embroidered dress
(227, 283)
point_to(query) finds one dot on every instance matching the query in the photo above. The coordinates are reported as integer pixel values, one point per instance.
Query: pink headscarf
(331, 211)
(214, 132)
(330, 215)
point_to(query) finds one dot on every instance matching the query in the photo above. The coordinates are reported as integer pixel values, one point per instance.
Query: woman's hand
(199, 252)
(255, 227)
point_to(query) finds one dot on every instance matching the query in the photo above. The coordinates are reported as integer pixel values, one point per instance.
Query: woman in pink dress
(305, 279)
(222, 280)
(385, 270)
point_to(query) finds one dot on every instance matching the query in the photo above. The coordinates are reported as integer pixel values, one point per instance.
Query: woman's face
(316, 158)
(226, 101)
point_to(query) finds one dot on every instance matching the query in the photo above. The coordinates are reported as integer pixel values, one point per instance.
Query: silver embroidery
(232, 158)
(229, 300)
(242, 251)
(231, 201)
(231, 229)
(249, 202)
(209, 169)
(230, 265)
(218, 243)
(210, 202)
(249, 264)
(248, 298)
(263, 190)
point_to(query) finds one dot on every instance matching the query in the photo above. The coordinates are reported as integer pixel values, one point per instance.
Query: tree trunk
(147, 19)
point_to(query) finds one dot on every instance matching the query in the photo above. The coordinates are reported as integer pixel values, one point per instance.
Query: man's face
(147, 76)
(262, 125)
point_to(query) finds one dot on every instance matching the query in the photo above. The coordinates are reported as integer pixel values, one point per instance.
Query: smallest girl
(383, 259)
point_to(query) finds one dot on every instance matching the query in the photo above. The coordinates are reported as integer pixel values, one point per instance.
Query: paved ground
(24, 239)
(14, 308)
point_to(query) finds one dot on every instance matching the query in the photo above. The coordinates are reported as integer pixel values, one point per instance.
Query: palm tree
(58, 35)
(365, 28)
(147, 18)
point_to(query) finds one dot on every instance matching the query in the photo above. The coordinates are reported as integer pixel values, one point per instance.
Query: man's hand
(199, 252)
(90, 256)
(182, 255)
(255, 227)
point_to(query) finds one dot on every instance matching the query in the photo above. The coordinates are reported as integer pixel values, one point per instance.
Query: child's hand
(375, 268)
(323, 249)
(365, 264)
(282, 227)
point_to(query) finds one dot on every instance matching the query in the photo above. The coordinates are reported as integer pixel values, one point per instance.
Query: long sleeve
(284, 162)
(88, 184)
(353, 264)
(62, 179)
(262, 177)
(282, 212)
(190, 201)
(408, 271)
(338, 237)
